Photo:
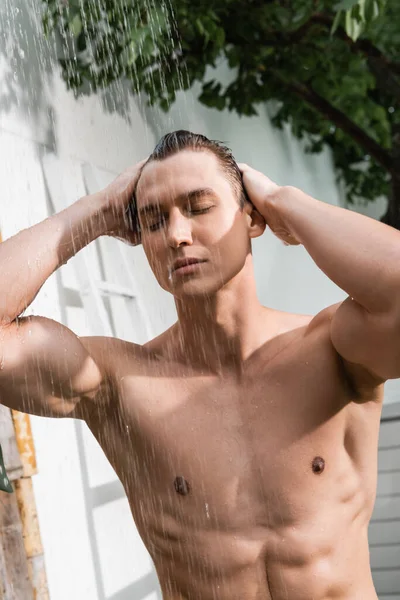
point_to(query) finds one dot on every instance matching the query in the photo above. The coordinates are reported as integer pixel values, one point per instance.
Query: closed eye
(157, 224)
(199, 211)
(161, 219)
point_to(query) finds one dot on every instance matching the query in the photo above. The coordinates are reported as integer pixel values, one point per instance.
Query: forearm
(28, 258)
(359, 254)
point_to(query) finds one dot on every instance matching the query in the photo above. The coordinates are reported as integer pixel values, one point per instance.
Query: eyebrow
(192, 195)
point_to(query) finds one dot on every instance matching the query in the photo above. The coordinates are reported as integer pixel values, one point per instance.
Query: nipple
(181, 486)
(318, 465)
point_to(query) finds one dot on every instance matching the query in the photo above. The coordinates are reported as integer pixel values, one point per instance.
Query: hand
(265, 195)
(116, 199)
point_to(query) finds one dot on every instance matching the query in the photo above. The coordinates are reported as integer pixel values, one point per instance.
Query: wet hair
(175, 142)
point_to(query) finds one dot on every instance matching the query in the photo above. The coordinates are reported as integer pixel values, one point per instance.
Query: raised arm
(359, 254)
(45, 368)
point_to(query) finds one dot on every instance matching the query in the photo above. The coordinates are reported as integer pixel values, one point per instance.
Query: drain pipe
(27, 506)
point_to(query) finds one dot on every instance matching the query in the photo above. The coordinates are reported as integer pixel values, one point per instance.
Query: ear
(256, 222)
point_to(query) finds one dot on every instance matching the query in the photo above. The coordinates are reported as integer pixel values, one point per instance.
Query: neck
(219, 332)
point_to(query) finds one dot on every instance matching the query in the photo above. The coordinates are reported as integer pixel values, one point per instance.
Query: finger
(129, 178)
(243, 167)
(133, 240)
(141, 163)
(133, 170)
(128, 237)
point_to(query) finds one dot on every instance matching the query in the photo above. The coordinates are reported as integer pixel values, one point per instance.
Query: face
(188, 212)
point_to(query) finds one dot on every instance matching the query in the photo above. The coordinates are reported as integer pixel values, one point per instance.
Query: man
(245, 437)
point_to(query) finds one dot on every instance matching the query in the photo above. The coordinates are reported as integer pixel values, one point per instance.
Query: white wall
(102, 557)
(98, 556)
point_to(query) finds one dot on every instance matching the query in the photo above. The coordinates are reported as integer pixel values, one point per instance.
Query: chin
(195, 288)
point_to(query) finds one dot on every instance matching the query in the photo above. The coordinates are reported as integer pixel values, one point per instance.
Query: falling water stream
(175, 431)
(28, 69)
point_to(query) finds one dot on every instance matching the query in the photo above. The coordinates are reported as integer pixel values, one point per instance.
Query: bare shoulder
(365, 385)
(114, 357)
(292, 323)
(322, 320)
(108, 351)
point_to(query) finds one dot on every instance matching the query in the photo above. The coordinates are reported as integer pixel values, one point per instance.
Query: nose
(179, 230)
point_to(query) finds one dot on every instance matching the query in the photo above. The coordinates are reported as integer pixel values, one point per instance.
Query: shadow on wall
(28, 61)
(26, 65)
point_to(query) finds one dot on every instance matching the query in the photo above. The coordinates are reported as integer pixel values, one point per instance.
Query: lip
(186, 266)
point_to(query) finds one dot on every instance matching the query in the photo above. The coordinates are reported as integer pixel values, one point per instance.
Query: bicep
(366, 339)
(47, 370)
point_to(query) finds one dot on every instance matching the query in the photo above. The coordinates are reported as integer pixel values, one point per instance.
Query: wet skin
(250, 462)
(257, 486)
(246, 443)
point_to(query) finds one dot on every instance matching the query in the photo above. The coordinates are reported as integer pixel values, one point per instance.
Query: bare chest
(211, 452)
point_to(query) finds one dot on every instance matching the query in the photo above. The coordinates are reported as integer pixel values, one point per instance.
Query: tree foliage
(332, 67)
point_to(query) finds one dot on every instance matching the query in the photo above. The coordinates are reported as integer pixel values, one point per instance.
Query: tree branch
(384, 79)
(341, 120)
(382, 68)
(364, 46)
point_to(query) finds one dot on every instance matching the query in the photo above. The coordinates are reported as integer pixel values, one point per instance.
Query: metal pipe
(27, 506)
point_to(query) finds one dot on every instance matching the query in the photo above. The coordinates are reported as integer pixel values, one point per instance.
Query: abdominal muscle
(309, 561)
(261, 530)
(290, 575)
(275, 532)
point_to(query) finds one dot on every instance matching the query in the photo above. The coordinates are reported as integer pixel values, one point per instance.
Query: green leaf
(220, 37)
(76, 25)
(346, 4)
(352, 26)
(200, 27)
(336, 22)
(373, 9)
(46, 24)
(361, 10)
(370, 10)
